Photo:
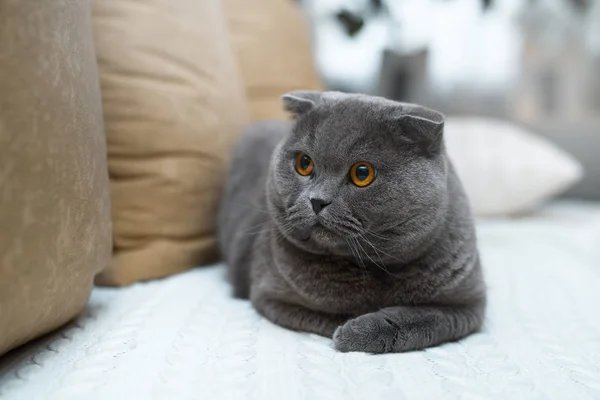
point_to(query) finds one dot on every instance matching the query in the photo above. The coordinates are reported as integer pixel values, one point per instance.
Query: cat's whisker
(356, 255)
(252, 208)
(283, 230)
(374, 248)
(397, 225)
(247, 231)
(271, 229)
(373, 261)
(286, 229)
(377, 249)
(261, 231)
(360, 259)
(361, 267)
(368, 232)
(279, 232)
(352, 248)
(345, 226)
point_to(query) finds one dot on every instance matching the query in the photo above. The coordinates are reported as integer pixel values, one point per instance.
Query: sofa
(116, 121)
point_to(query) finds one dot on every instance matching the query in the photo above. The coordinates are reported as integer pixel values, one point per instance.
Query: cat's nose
(319, 204)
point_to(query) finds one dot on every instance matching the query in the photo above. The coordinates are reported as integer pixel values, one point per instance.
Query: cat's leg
(399, 329)
(239, 277)
(298, 318)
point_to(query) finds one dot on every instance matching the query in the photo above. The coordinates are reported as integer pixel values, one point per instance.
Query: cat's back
(258, 142)
(250, 163)
(243, 210)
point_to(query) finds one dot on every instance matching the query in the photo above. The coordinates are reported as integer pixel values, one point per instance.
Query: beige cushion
(272, 44)
(54, 200)
(173, 107)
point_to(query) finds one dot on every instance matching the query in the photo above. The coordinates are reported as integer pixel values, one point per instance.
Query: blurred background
(532, 62)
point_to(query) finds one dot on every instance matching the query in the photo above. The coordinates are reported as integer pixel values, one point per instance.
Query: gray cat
(351, 223)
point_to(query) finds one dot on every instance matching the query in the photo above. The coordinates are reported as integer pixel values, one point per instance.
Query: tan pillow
(272, 43)
(173, 107)
(54, 200)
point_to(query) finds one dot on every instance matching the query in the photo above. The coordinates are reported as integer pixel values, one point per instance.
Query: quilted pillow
(173, 106)
(272, 44)
(506, 169)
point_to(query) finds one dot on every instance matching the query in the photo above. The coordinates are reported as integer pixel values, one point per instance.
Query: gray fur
(390, 267)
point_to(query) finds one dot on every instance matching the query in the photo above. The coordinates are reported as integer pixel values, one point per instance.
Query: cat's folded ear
(301, 101)
(422, 126)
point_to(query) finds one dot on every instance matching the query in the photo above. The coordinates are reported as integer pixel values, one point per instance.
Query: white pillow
(506, 169)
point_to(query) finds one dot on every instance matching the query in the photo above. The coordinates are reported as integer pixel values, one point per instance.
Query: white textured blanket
(185, 338)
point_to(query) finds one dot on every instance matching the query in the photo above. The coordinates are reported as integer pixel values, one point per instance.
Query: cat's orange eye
(362, 174)
(304, 164)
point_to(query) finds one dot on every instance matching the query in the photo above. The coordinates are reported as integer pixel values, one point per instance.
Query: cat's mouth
(317, 232)
(319, 239)
(312, 232)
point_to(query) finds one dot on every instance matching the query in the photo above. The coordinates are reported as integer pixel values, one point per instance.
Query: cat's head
(358, 170)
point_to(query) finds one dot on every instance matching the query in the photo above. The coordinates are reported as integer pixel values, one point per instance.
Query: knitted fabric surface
(185, 337)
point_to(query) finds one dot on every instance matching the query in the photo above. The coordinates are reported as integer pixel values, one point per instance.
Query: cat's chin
(319, 240)
(320, 233)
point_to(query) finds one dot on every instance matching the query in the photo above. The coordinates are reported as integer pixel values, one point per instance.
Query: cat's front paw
(370, 333)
